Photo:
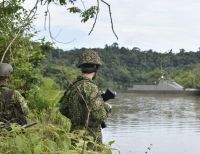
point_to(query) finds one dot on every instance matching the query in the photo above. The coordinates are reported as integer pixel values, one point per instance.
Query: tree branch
(50, 33)
(83, 4)
(19, 31)
(110, 18)
(95, 18)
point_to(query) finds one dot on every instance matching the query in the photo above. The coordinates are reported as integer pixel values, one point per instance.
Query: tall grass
(52, 133)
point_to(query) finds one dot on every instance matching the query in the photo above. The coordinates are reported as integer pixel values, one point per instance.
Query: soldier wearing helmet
(13, 106)
(82, 102)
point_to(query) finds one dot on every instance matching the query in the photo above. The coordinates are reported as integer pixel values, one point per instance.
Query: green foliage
(43, 138)
(63, 75)
(89, 13)
(73, 7)
(45, 96)
(15, 44)
(74, 10)
(25, 72)
(188, 77)
(154, 75)
(125, 67)
(51, 135)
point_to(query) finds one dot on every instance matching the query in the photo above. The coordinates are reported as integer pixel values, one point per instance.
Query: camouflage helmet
(5, 69)
(89, 57)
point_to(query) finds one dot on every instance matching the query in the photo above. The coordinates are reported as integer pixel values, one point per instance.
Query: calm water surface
(154, 124)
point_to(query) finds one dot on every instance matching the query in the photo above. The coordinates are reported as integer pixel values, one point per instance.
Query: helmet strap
(94, 77)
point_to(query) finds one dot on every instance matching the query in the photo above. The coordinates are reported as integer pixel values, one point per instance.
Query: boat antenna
(161, 69)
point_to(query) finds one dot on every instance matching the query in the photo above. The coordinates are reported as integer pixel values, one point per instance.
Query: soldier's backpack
(64, 105)
(64, 102)
(10, 110)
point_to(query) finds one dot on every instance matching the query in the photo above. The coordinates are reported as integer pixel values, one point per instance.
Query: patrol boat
(164, 86)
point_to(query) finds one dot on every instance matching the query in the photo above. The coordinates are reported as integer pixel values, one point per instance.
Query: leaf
(111, 142)
(74, 10)
(63, 2)
(38, 149)
(89, 13)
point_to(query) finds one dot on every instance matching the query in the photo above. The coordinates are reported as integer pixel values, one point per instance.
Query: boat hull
(184, 92)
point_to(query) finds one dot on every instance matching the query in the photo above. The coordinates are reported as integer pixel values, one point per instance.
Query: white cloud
(157, 24)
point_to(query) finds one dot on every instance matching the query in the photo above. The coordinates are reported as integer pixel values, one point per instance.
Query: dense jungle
(124, 67)
(42, 72)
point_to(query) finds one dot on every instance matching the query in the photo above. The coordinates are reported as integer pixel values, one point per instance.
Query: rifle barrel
(29, 124)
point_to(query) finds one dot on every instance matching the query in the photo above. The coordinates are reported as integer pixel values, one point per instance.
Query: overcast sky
(160, 25)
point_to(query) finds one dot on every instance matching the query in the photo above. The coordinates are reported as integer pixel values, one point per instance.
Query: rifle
(7, 126)
(108, 94)
(29, 124)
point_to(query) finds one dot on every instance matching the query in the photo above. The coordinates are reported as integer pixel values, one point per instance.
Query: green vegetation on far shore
(124, 67)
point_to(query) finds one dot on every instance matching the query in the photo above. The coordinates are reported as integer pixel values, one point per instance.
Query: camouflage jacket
(13, 107)
(82, 100)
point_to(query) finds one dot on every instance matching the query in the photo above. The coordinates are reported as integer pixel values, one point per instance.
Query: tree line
(124, 67)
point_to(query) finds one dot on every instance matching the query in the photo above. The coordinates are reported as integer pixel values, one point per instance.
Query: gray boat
(164, 86)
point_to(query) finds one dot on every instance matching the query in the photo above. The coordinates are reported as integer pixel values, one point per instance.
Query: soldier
(82, 102)
(13, 107)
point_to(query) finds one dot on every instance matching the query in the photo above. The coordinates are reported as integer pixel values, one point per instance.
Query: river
(154, 124)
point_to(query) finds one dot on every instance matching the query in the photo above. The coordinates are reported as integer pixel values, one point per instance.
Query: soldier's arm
(95, 103)
(20, 99)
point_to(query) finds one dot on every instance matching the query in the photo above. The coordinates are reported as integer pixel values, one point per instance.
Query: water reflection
(171, 123)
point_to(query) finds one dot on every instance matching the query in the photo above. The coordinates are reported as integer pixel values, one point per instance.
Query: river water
(154, 124)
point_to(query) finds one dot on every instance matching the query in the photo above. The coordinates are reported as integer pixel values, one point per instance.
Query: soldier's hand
(108, 107)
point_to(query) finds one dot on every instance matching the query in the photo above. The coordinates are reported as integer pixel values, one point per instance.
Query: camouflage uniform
(13, 107)
(82, 102)
(81, 97)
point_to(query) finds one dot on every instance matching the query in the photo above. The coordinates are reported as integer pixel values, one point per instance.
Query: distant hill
(124, 67)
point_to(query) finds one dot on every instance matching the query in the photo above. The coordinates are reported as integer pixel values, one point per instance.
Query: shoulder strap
(63, 105)
(71, 85)
(68, 88)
